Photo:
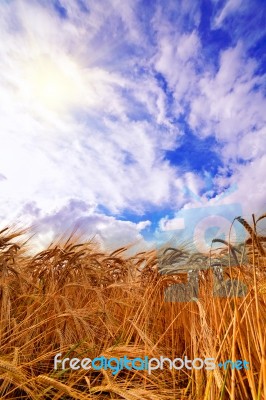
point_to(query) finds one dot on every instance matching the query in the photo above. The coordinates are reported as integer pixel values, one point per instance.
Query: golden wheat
(76, 300)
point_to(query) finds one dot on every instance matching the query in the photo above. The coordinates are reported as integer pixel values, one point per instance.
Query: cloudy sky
(123, 118)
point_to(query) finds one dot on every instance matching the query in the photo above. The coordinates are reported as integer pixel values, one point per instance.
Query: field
(75, 300)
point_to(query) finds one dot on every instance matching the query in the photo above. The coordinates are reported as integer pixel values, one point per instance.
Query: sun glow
(52, 84)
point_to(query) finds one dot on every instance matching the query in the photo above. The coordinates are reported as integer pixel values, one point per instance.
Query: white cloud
(229, 105)
(230, 7)
(2, 177)
(74, 124)
(251, 186)
(177, 59)
(83, 219)
(166, 224)
(232, 98)
(83, 117)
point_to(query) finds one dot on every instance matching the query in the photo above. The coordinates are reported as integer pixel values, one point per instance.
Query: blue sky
(118, 116)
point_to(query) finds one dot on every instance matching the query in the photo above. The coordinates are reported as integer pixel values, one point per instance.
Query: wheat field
(76, 300)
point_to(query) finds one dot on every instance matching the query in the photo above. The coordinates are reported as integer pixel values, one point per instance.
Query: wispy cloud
(229, 7)
(94, 95)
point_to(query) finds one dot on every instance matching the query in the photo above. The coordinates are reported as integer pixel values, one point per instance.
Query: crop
(75, 299)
